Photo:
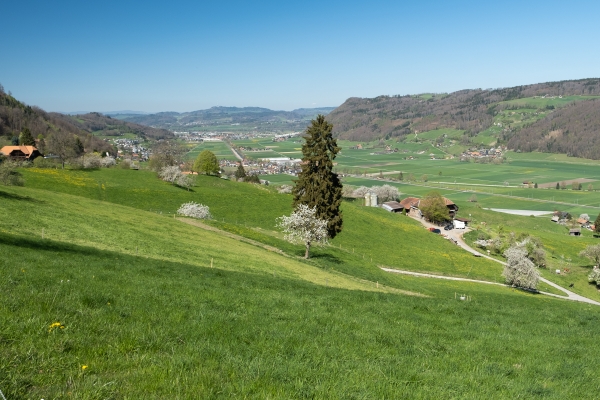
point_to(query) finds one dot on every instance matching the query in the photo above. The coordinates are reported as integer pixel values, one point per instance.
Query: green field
(155, 307)
(267, 148)
(220, 149)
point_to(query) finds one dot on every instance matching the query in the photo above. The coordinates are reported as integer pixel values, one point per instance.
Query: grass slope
(163, 324)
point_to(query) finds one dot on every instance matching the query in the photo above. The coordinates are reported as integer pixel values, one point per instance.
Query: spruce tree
(317, 185)
(240, 173)
(26, 138)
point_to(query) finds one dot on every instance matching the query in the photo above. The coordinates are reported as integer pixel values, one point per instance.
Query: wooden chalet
(21, 153)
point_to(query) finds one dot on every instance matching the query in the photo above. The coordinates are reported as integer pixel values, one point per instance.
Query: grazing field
(221, 150)
(267, 148)
(108, 299)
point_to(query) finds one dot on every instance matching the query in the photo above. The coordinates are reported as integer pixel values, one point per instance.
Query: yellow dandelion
(84, 367)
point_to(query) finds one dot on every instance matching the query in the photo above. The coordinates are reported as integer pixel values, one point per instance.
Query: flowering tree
(303, 226)
(519, 270)
(386, 193)
(186, 181)
(591, 252)
(108, 161)
(194, 210)
(170, 174)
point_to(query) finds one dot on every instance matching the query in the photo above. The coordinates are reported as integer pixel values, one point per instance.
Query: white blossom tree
(186, 181)
(108, 161)
(386, 193)
(519, 270)
(170, 174)
(302, 226)
(591, 252)
(194, 210)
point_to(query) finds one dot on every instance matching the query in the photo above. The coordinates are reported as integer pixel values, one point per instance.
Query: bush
(108, 161)
(125, 164)
(194, 210)
(42, 162)
(286, 189)
(91, 161)
(594, 276)
(9, 176)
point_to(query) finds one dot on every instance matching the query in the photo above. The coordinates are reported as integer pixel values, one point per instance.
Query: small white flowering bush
(194, 210)
(93, 160)
(284, 189)
(108, 161)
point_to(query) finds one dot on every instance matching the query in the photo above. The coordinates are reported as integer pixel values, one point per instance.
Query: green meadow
(105, 294)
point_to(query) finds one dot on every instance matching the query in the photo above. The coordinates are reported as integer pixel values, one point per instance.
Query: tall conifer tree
(317, 185)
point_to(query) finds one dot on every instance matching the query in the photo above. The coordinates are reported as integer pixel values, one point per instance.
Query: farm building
(575, 232)
(465, 221)
(21, 153)
(392, 206)
(411, 205)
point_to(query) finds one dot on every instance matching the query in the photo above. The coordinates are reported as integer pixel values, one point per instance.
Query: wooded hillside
(572, 130)
(468, 110)
(15, 116)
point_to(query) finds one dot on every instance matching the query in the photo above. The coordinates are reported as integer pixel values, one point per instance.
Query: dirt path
(457, 234)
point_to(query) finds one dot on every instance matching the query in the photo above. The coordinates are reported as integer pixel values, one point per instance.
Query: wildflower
(55, 325)
(84, 367)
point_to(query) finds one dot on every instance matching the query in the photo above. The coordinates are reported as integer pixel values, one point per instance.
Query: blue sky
(184, 56)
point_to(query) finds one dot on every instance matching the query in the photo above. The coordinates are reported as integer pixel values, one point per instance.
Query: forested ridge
(16, 116)
(473, 111)
(572, 130)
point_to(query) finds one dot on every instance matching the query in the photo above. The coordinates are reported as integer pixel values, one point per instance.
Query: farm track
(457, 236)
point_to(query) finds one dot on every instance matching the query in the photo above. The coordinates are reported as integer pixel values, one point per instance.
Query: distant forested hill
(220, 118)
(573, 130)
(16, 116)
(472, 111)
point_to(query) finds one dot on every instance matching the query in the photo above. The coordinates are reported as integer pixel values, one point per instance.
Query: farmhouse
(575, 232)
(411, 205)
(21, 153)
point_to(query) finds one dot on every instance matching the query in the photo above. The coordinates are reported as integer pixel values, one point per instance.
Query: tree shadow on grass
(13, 196)
(325, 257)
(39, 244)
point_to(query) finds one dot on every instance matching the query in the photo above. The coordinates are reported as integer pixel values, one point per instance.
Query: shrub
(93, 160)
(286, 189)
(125, 164)
(9, 176)
(594, 276)
(194, 210)
(42, 162)
(108, 161)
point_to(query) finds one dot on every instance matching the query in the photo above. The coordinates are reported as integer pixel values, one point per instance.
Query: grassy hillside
(251, 211)
(117, 302)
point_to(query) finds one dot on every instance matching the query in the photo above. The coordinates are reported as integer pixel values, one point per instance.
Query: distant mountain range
(224, 118)
(550, 117)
